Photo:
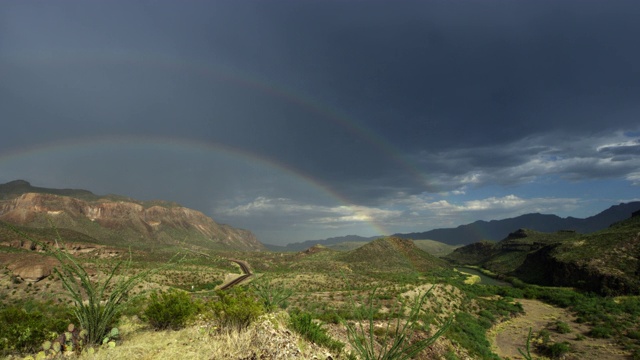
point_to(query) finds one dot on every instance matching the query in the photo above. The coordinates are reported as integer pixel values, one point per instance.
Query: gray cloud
(345, 104)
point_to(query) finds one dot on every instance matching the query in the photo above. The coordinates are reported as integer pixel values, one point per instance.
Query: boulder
(33, 273)
(31, 268)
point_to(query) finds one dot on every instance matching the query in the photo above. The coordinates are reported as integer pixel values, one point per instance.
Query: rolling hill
(392, 254)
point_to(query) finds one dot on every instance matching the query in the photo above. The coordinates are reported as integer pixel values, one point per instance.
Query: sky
(303, 120)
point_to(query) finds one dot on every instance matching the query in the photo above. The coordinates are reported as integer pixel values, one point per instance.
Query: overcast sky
(304, 120)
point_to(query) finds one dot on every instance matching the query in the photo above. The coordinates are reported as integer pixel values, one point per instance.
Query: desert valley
(186, 286)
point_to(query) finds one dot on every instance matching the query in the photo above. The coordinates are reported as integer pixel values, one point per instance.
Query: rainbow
(177, 146)
(214, 72)
(230, 74)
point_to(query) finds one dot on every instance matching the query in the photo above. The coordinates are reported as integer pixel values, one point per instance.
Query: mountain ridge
(118, 220)
(606, 261)
(499, 229)
(493, 230)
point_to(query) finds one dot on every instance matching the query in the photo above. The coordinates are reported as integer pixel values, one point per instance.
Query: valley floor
(507, 337)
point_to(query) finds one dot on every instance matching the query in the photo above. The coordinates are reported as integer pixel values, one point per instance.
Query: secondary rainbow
(181, 145)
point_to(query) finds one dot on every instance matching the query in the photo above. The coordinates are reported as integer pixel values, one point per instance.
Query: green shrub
(562, 327)
(24, 331)
(544, 336)
(633, 334)
(601, 332)
(235, 308)
(170, 310)
(97, 304)
(304, 325)
(557, 350)
(467, 331)
(488, 315)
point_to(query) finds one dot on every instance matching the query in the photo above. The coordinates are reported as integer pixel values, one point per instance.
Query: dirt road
(508, 336)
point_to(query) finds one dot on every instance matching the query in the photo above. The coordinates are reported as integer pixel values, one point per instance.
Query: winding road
(246, 273)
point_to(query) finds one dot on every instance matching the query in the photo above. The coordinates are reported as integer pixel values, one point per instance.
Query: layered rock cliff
(124, 222)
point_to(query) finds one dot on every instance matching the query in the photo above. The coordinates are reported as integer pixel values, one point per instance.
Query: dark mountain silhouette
(499, 229)
(300, 246)
(494, 230)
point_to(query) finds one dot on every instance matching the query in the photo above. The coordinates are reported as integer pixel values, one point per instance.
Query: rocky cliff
(120, 221)
(605, 262)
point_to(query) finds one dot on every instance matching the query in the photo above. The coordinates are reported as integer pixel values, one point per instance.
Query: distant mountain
(480, 230)
(117, 220)
(299, 246)
(605, 261)
(499, 229)
(434, 248)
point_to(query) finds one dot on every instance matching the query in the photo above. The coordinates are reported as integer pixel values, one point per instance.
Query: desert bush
(601, 332)
(470, 333)
(235, 308)
(170, 309)
(633, 334)
(24, 331)
(271, 296)
(544, 336)
(96, 304)
(398, 341)
(558, 350)
(303, 324)
(562, 327)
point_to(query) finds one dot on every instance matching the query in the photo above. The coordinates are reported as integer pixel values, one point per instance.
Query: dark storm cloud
(371, 100)
(430, 77)
(428, 74)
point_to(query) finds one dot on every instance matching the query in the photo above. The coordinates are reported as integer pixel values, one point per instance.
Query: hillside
(392, 254)
(499, 229)
(605, 261)
(434, 248)
(119, 221)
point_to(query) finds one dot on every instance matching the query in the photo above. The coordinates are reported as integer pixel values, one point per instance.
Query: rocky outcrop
(472, 254)
(544, 268)
(162, 225)
(605, 262)
(28, 267)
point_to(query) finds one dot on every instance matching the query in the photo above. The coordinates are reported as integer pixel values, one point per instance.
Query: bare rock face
(33, 273)
(30, 268)
(127, 220)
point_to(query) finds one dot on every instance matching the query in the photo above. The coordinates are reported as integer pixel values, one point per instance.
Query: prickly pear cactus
(74, 341)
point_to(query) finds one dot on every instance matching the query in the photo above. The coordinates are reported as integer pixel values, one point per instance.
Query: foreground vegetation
(399, 304)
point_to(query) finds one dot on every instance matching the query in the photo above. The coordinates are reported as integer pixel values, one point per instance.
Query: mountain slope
(392, 254)
(119, 221)
(499, 229)
(605, 262)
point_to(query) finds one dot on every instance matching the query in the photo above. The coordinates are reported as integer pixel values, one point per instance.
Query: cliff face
(605, 262)
(545, 268)
(126, 222)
